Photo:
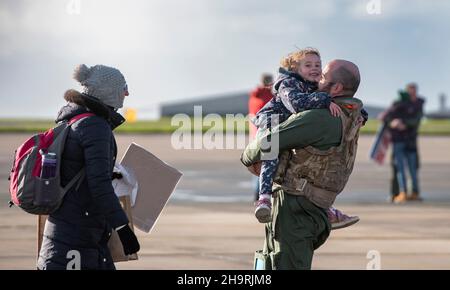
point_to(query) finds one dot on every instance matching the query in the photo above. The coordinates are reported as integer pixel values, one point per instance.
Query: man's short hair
(349, 80)
(411, 85)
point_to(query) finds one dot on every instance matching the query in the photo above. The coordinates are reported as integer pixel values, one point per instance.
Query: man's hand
(360, 121)
(335, 110)
(255, 168)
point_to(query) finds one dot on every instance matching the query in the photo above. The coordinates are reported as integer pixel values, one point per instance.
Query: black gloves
(116, 175)
(129, 241)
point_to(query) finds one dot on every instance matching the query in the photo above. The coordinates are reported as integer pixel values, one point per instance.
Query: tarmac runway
(208, 223)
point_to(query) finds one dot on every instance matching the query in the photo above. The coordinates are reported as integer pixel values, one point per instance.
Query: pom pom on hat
(81, 73)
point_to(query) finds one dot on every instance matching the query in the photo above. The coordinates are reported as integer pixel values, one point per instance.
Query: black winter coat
(88, 214)
(411, 114)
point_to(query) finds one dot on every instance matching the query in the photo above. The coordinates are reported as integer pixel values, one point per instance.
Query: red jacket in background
(258, 98)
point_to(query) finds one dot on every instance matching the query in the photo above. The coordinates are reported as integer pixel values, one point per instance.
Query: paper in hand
(127, 185)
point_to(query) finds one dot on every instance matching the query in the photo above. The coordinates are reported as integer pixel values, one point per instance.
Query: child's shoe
(263, 210)
(339, 220)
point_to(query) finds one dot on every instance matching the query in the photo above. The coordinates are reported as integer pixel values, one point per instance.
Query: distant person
(296, 91)
(318, 152)
(91, 210)
(403, 119)
(257, 99)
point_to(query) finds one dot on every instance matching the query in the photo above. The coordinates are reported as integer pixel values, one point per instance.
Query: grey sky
(175, 50)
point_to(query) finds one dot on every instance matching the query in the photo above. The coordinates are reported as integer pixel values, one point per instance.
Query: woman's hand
(129, 240)
(397, 124)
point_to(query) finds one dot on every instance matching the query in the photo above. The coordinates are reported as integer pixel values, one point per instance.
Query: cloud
(174, 49)
(49, 27)
(149, 28)
(371, 10)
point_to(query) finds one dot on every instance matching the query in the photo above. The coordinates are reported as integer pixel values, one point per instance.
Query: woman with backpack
(90, 210)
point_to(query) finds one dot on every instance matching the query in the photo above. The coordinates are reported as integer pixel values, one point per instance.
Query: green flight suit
(298, 226)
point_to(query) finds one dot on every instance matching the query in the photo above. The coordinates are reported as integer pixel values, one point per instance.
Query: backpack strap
(79, 177)
(79, 117)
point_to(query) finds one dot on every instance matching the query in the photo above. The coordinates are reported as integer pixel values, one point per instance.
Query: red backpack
(28, 190)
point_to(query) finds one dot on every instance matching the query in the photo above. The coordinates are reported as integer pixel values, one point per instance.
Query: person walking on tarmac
(90, 211)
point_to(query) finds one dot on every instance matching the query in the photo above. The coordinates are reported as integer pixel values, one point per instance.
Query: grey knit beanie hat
(102, 82)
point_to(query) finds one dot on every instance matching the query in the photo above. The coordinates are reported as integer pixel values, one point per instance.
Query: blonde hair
(292, 61)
